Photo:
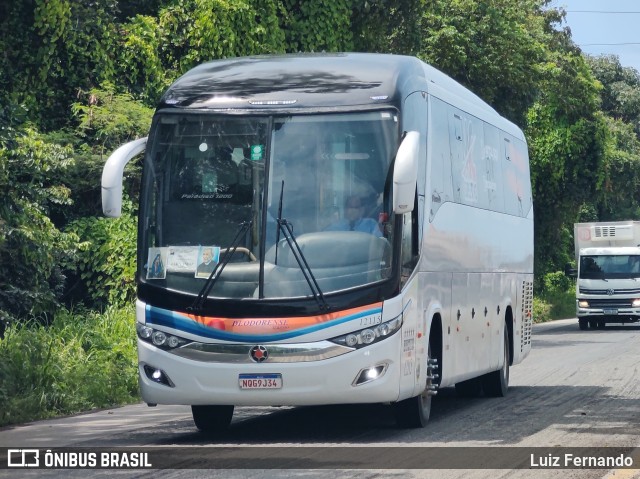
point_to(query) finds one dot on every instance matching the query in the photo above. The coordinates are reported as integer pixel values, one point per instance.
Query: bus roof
(293, 81)
(318, 82)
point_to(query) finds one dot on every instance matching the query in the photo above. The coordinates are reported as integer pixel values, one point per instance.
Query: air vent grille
(527, 315)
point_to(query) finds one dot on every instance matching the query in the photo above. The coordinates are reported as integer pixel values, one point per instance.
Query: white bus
(327, 229)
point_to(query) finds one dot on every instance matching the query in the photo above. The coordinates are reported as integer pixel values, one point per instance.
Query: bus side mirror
(570, 271)
(405, 173)
(112, 176)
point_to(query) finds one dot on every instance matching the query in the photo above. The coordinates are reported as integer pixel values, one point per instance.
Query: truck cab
(608, 273)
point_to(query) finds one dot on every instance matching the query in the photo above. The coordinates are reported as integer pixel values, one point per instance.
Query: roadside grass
(84, 360)
(554, 305)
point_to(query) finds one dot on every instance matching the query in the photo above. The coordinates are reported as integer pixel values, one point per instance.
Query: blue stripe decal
(172, 319)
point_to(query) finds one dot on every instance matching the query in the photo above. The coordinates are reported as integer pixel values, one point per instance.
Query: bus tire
(212, 418)
(414, 412)
(583, 324)
(496, 383)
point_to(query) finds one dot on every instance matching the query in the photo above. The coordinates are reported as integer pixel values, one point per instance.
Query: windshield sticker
(257, 152)
(156, 263)
(182, 259)
(208, 258)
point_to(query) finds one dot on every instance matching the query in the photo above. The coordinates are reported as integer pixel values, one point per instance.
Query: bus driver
(353, 219)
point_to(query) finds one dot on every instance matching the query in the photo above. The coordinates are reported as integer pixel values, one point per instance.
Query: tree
(494, 47)
(53, 48)
(32, 248)
(620, 89)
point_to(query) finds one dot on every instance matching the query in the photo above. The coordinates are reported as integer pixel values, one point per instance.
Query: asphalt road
(577, 389)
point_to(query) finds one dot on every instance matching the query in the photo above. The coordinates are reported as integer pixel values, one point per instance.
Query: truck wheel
(583, 323)
(212, 418)
(593, 324)
(601, 324)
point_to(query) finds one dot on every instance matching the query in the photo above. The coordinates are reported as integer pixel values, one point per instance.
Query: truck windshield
(610, 267)
(207, 178)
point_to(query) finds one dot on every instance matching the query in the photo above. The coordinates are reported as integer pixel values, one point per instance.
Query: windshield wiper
(198, 303)
(287, 232)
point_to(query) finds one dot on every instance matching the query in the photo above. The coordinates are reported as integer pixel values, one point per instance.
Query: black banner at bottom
(335, 457)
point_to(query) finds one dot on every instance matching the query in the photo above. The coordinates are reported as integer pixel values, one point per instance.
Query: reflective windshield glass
(610, 266)
(210, 180)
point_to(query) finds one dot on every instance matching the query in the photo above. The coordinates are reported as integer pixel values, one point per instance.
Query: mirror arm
(112, 176)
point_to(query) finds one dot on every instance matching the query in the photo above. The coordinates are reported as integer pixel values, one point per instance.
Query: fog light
(583, 304)
(370, 374)
(158, 376)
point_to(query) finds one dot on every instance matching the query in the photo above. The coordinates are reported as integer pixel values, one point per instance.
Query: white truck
(608, 273)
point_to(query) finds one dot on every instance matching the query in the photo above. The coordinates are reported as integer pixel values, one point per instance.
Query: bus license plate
(610, 311)
(260, 381)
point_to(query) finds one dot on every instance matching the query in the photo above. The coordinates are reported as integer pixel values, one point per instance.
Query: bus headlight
(370, 335)
(159, 338)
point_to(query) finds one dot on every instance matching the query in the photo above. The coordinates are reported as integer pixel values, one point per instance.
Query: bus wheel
(212, 418)
(583, 324)
(496, 383)
(414, 412)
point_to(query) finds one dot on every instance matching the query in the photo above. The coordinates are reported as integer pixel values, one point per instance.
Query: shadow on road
(494, 421)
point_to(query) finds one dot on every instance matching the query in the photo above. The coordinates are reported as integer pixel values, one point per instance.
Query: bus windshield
(212, 183)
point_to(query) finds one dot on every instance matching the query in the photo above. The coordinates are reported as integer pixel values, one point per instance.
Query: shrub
(105, 270)
(556, 282)
(84, 360)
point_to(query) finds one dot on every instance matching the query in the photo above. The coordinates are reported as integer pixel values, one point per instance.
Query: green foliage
(556, 299)
(106, 264)
(621, 89)
(567, 138)
(31, 247)
(493, 47)
(84, 360)
(557, 282)
(52, 49)
(154, 51)
(392, 26)
(106, 120)
(322, 25)
(621, 167)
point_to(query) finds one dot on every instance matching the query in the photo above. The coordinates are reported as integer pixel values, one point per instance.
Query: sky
(598, 29)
